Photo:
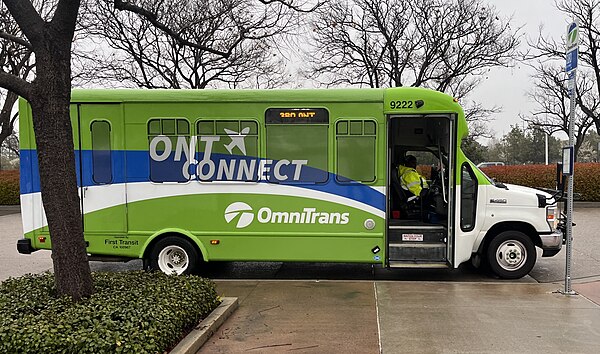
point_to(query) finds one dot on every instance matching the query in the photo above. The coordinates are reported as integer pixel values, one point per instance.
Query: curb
(585, 205)
(203, 331)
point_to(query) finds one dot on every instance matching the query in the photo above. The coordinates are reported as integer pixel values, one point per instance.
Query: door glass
(101, 152)
(468, 198)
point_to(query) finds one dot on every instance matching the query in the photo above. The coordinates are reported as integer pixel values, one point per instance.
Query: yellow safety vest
(411, 180)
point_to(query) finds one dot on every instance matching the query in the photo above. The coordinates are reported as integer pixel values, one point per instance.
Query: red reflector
(42, 239)
(395, 214)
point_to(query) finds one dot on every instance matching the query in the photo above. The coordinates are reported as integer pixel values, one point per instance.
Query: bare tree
(238, 40)
(49, 95)
(16, 59)
(551, 96)
(547, 57)
(442, 45)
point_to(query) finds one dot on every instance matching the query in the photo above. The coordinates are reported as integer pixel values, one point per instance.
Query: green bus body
(244, 175)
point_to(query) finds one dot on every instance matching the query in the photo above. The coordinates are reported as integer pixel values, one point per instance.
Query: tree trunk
(54, 138)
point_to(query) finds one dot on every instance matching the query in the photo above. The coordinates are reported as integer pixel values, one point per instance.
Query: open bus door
(420, 229)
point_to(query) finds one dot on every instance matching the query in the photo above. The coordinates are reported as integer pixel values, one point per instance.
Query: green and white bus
(182, 177)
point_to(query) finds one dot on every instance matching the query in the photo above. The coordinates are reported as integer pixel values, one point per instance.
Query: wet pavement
(298, 317)
(404, 317)
(357, 308)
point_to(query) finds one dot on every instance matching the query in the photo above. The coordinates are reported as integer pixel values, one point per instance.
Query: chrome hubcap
(511, 255)
(173, 260)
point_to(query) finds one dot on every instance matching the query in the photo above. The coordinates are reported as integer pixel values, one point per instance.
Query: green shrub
(9, 188)
(131, 312)
(587, 177)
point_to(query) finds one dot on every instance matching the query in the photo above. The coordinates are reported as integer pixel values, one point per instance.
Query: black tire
(174, 254)
(511, 255)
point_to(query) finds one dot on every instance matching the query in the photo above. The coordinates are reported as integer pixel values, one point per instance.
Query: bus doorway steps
(419, 265)
(417, 252)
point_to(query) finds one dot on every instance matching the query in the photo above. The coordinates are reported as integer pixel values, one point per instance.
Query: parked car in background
(489, 164)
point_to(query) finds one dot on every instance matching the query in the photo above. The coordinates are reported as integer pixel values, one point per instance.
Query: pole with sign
(568, 152)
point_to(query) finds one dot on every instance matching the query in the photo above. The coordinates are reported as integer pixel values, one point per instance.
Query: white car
(489, 164)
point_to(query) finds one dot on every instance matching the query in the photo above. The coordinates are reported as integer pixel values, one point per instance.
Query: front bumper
(551, 243)
(24, 246)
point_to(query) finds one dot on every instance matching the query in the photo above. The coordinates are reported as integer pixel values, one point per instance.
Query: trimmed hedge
(130, 312)
(9, 187)
(587, 177)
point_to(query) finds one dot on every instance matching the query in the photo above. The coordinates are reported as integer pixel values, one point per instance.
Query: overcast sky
(506, 87)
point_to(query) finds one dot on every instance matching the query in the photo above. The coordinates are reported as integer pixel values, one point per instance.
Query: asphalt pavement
(354, 308)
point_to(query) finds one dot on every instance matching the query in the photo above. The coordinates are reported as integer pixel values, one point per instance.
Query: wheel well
(175, 234)
(523, 227)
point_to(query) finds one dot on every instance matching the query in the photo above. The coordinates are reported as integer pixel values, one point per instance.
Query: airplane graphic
(237, 139)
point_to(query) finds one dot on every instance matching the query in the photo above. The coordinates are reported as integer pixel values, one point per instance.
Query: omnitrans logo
(266, 215)
(243, 210)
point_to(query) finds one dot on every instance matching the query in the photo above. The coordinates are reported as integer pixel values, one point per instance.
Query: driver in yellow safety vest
(410, 179)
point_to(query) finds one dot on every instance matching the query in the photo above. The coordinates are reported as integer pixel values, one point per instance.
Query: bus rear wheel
(174, 255)
(511, 255)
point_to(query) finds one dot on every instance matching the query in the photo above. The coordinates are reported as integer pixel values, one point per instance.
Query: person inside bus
(410, 179)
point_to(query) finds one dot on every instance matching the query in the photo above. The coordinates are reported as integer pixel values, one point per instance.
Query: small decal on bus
(412, 237)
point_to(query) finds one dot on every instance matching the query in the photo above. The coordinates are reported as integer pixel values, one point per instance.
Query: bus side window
(304, 150)
(234, 152)
(169, 159)
(468, 198)
(355, 150)
(101, 152)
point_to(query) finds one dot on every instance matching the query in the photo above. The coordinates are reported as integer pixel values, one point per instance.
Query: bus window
(297, 145)
(101, 152)
(468, 198)
(233, 148)
(168, 140)
(356, 149)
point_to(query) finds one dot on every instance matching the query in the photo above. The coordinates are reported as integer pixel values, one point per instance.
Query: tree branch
(65, 17)
(15, 84)
(27, 18)
(152, 18)
(290, 4)
(16, 39)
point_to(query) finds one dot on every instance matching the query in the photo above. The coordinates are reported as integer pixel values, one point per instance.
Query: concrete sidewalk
(406, 317)
(298, 317)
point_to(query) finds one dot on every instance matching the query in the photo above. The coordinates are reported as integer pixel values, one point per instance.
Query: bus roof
(226, 95)
(272, 95)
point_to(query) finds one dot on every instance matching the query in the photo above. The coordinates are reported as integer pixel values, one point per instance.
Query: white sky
(506, 87)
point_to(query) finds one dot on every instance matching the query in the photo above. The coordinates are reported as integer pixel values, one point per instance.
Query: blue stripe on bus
(134, 166)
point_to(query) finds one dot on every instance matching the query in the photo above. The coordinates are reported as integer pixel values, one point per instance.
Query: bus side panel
(294, 222)
(35, 224)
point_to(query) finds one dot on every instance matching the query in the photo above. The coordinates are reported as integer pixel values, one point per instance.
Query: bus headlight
(552, 217)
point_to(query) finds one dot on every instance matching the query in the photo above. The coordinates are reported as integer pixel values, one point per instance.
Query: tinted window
(355, 159)
(468, 198)
(101, 152)
(168, 141)
(227, 150)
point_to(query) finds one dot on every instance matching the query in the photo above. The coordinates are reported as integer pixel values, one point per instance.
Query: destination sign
(297, 116)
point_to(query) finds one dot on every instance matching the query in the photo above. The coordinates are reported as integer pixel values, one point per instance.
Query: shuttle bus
(179, 178)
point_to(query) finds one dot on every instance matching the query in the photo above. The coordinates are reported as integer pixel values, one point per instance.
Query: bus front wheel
(511, 255)
(174, 255)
